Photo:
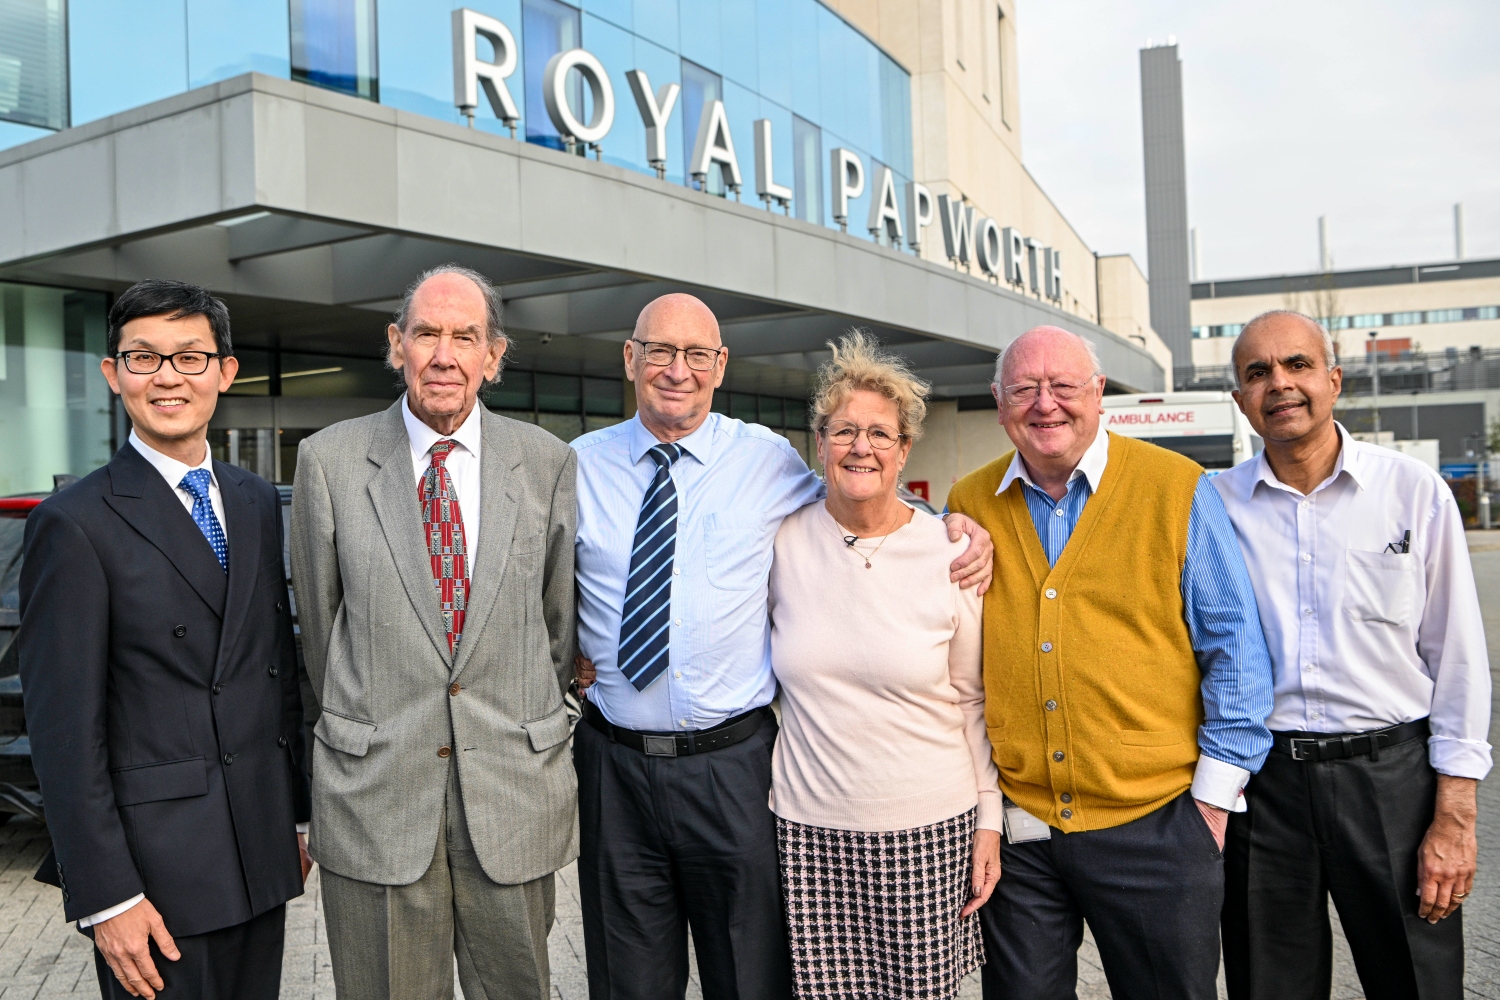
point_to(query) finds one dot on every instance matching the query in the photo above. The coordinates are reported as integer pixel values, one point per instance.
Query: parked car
(19, 791)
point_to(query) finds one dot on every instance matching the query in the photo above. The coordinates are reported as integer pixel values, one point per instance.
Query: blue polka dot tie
(196, 483)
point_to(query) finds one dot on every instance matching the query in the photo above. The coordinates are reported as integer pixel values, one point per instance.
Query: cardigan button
(1046, 647)
(1058, 755)
(1066, 797)
(1051, 593)
(1067, 814)
(1051, 705)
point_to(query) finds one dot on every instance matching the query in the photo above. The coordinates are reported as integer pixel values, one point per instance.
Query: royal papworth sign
(1000, 251)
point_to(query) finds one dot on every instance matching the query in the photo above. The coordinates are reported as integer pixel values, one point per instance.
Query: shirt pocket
(737, 551)
(1378, 587)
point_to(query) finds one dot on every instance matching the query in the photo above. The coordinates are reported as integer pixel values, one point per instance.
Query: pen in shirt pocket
(1402, 547)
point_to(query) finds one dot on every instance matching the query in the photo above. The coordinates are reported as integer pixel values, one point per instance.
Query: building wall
(954, 443)
(1125, 304)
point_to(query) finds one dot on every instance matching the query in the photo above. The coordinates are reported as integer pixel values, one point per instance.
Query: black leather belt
(1334, 746)
(725, 734)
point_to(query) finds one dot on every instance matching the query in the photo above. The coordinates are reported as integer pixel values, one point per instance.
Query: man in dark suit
(160, 675)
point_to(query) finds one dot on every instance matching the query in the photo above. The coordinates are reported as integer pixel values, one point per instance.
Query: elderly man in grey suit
(432, 555)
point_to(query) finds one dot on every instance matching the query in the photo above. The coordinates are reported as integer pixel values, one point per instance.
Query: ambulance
(1205, 426)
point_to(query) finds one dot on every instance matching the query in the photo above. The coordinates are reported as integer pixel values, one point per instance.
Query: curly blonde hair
(859, 364)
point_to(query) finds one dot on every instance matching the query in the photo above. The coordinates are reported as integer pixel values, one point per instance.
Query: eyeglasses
(844, 435)
(149, 362)
(1026, 393)
(699, 359)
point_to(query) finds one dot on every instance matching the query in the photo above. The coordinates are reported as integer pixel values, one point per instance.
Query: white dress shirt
(172, 471)
(1363, 637)
(462, 463)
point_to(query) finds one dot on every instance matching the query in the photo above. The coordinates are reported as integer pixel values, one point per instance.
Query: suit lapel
(499, 456)
(243, 529)
(143, 500)
(393, 491)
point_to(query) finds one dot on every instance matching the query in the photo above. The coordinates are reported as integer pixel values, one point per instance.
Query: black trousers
(669, 843)
(1151, 891)
(1348, 828)
(242, 962)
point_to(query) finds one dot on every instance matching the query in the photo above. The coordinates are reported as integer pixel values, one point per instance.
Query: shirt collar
(422, 437)
(699, 444)
(172, 470)
(1091, 466)
(1350, 460)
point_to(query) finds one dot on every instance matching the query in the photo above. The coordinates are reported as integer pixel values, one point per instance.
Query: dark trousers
(669, 843)
(1151, 891)
(242, 962)
(1348, 828)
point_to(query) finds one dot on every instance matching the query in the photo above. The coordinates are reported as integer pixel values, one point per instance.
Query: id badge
(1021, 827)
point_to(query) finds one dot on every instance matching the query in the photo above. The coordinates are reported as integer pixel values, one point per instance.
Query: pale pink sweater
(882, 690)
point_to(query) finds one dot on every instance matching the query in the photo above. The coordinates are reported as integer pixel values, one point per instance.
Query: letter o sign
(987, 244)
(555, 95)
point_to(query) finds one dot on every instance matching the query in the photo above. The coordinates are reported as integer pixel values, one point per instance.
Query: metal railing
(1403, 374)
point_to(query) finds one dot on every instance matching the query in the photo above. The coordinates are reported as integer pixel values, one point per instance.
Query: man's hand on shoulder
(125, 942)
(976, 566)
(1449, 854)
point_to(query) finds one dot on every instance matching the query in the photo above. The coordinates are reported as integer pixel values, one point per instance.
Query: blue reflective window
(895, 116)
(230, 37)
(34, 63)
(807, 170)
(699, 87)
(334, 45)
(105, 39)
(547, 28)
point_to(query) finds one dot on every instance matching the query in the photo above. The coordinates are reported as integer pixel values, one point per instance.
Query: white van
(1205, 426)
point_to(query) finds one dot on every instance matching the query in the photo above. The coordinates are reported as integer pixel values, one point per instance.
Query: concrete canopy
(310, 212)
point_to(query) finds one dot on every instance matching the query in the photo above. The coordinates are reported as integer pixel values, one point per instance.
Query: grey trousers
(398, 942)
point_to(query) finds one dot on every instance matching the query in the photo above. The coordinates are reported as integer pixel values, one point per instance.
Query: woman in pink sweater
(887, 803)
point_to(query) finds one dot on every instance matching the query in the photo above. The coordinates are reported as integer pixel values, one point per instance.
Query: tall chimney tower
(1458, 231)
(1325, 251)
(1167, 252)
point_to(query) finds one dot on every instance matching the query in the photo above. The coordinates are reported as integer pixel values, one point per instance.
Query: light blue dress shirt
(1218, 599)
(735, 484)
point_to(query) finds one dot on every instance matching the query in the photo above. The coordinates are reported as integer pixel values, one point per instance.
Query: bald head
(1054, 341)
(1277, 320)
(671, 318)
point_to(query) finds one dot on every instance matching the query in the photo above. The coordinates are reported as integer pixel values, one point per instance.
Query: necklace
(849, 541)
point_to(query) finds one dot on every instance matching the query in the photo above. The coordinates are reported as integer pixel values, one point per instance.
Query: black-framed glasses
(699, 359)
(1026, 393)
(844, 435)
(149, 362)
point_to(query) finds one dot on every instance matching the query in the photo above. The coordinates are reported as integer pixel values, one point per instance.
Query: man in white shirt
(162, 699)
(1366, 595)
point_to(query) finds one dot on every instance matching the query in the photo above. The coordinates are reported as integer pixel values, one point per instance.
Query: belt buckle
(1296, 751)
(660, 746)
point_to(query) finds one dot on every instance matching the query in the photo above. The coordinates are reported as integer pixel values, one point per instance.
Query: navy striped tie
(645, 636)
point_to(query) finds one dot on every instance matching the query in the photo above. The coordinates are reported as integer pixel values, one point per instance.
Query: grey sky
(1379, 114)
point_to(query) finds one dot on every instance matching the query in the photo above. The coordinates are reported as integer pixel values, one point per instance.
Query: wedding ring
(1459, 895)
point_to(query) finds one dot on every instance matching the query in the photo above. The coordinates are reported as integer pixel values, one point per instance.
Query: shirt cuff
(1459, 758)
(302, 828)
(111, 913)
(1220, 784)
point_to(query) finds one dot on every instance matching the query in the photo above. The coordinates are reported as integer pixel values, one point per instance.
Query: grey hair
(1088, 345)
(492, 304)
(860, 364)
(1330, 354)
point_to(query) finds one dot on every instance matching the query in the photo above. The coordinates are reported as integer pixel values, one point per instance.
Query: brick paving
(42, 956)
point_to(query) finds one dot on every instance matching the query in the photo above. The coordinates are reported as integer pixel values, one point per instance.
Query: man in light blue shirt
(677, 512)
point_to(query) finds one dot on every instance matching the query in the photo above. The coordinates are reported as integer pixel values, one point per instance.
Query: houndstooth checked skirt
(874, 916)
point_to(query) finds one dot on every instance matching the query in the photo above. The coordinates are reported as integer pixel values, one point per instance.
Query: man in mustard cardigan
(1127, 685)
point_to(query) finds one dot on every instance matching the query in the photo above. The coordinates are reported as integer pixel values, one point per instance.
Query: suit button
(228, 759)
(1058, 755)
(278, 607)
(217, 688)
(453, 689)
(1066, 797)
(65, 895)
(281, 741)
(272, 670)
(1067, 814)
(444, 751)
(180, 631)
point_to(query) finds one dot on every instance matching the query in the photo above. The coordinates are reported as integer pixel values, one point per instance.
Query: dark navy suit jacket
(162, 698)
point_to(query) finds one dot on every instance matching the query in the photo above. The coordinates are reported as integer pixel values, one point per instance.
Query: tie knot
(666, 454)
(440, 451)
(196, 483)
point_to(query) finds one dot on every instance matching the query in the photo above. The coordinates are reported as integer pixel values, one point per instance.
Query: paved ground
(41, 956)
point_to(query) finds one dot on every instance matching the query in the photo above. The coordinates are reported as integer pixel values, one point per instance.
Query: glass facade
(34, 63)
(548, 27)
(334, 45)
(55, 406)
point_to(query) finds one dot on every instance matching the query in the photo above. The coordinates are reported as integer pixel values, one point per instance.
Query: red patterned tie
(445, 542)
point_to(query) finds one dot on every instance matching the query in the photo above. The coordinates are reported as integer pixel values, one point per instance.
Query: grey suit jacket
(378, 654)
